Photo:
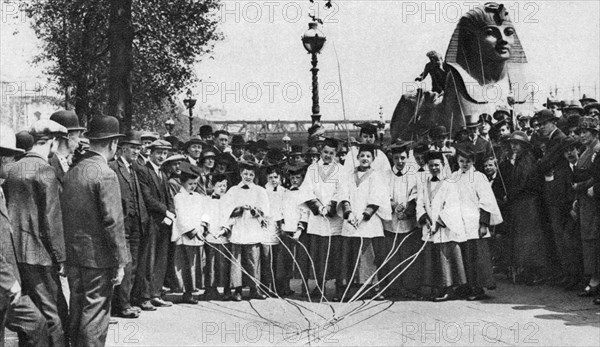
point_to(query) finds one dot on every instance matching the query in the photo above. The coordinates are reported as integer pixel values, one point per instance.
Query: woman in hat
(524, 204)
(588, 207)
(479, 211)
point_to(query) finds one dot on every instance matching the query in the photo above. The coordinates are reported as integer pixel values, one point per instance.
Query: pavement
(516, 315)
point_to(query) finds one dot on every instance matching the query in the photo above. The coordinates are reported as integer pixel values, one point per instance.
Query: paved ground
(517, 315)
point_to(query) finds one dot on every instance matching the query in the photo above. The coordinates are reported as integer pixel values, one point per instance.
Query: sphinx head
(488, 33)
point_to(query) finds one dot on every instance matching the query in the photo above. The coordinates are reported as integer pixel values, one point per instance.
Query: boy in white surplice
(366, 204)
(438, 211)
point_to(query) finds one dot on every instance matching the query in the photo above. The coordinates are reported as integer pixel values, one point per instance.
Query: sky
(262, 71)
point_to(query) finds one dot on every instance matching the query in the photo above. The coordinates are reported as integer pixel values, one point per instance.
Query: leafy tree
(153, 43)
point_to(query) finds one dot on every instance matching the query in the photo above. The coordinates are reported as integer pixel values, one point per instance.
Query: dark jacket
(93, 215)
(132, 198)
(32, 194)
(554, 154)
(55, 163)
(155, 192)
(9, 272)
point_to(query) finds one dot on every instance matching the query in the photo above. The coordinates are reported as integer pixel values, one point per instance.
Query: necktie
(421, 170)
(245, 186)
(216, 197)
(399, 173)
(435, 179)
(293, 189)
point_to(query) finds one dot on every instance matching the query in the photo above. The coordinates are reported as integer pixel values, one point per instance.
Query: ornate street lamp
(313, 41)
(189, 104)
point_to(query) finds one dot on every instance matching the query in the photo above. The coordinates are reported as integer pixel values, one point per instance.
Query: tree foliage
(170, 36)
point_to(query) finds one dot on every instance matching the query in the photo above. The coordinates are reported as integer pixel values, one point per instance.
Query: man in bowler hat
(95, 235)
(68, 143)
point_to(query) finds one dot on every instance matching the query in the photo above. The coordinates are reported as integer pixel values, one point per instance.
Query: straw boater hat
(45, 129)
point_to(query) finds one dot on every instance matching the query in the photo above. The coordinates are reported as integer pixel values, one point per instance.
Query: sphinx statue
(485, 62)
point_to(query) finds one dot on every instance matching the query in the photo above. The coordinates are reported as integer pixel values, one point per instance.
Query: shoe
(189, 299)
(237, 296)
(442, 298)
(136, 309)
(589, 291)
(147, 306)
(477, 297)
(257, 295)
(127, 313)
(158, 302)
(210, 294)
(378, 297)
(113, 321)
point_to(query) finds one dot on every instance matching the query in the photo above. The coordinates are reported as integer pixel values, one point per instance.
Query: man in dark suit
(548, 129)
(95, 234)
(136, 225)
(32, 191)
(482, 147)
(155, 190)
(17, 311)
(67, 144)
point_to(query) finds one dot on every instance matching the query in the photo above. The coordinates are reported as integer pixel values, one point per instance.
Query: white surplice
(476, 193)
(323, 182)
(403, 190)
(246, 229)
(188, 212)
(361, 190)
(440, 201)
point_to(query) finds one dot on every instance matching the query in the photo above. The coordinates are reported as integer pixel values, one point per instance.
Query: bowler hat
(173, 140)
(132, 137)
(24, 140)
(296, 150)
(437, 131)
(205, 130)
(521, 137)
(8, 141)
(313, 151)
(237, 141)
(103, 127)
(262, 144)
(159, 144)
(44, 129)
(545, 115)
(68, 119)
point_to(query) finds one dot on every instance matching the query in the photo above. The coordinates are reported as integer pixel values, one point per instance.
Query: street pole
(316, 109)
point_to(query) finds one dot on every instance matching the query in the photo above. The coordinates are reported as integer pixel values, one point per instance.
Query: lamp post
(189, 104)
(313, 41)
(169, 125)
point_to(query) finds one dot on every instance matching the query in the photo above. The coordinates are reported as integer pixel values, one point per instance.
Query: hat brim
(9, 152)
(77, 129)
(102, 136)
